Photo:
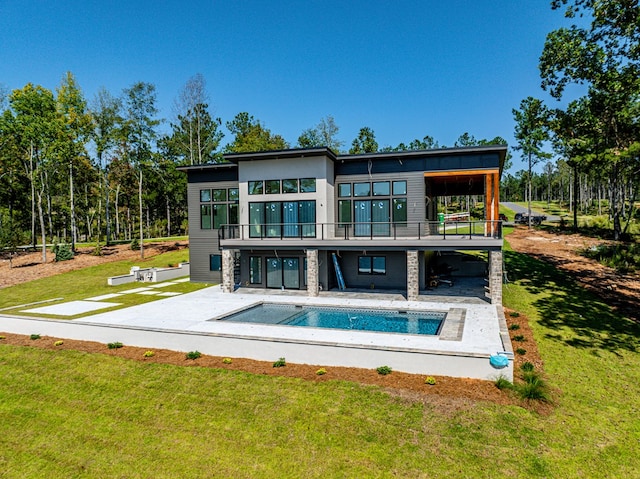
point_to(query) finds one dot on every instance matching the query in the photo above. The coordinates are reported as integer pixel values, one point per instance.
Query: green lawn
(90, 282)
(67, 414)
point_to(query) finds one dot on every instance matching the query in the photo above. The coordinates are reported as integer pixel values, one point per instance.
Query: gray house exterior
(309, 219)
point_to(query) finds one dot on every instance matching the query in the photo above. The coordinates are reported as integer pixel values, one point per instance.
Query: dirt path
(620, 291)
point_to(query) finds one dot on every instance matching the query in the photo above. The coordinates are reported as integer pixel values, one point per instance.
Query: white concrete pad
(182, 280)
(104, 296)
(149, 293)
(71, 308)
(169, 293)
(161, 285)
(137, 290)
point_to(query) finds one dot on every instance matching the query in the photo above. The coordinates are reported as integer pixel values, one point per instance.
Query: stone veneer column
(227, 271)
(413, 273)
(495, 277)
(312, 272)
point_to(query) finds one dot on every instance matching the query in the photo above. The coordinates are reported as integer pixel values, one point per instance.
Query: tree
(605, 56)
(76, 125)
(365, 142)
(250, 136)
(531, 132)
(195, 136)
(35, 127)
(107, 120)
(140, 124)
(323, 134)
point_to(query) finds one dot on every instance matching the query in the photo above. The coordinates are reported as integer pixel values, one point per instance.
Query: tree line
(596, 137)
(77, 170)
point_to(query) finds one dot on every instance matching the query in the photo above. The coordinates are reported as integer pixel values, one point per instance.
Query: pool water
(422, 322)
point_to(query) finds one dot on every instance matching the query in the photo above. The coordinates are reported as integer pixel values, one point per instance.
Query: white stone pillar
(227, 270)
(312, 272)
(495, 277)
(413, 280)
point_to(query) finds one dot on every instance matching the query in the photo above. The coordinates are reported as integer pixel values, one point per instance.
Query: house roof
(233, 159)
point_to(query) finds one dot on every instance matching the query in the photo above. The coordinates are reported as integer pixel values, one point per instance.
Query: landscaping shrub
(503, 383)
(514, 314)
(193, 355)
(34, 336)
(321, 371)
(58, 343)
(227, 361)
(514, 327)
(62, 252)
(280, 363)
(149, 354)
(519, 338)
(527, 366)
(384, 370)
(430, 380)
(521, 351)
(115, 345)
(135, 244)
(533, 388)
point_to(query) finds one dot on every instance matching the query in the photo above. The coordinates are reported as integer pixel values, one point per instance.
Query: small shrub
(34, 336)
(280, 363)
(533, 388)
(227, 361)
(321, 372)
(3, 337)
(521, 351)
(193, 355)
(149, 354)
(514, 327)
(503, 383)
(384, 370)
(527, 366)
(63, 252)
(430, 380)
(115, 345)
(58, 343)
(135, 244)
(514, 314)
(97, 251)
(519, 338)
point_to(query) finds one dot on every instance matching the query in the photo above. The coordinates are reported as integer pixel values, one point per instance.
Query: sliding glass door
(283, 272)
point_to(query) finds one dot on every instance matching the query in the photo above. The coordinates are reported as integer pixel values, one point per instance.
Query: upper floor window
(307, 185)
(290, 186)
(218, 206)
(272, 187)
(256, 187)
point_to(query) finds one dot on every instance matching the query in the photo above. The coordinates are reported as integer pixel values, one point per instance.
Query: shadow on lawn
(565, 304)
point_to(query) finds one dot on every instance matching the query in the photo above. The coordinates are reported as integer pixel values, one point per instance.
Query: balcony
(447, 235)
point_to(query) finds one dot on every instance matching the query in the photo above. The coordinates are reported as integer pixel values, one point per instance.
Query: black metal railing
(363, 230)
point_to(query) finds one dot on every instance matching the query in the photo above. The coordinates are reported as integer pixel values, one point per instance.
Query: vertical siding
(203, 243)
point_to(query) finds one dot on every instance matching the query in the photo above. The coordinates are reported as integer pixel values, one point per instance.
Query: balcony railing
(363, 231)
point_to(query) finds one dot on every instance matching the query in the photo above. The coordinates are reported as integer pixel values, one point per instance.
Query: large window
(378, 204)
(282, 219)
(218, 206)
(275, 187)
(372, 265)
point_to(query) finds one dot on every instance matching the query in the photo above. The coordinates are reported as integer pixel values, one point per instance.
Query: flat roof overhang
(451, 243)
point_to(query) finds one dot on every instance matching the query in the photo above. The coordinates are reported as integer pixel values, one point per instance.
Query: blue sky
(405, 69)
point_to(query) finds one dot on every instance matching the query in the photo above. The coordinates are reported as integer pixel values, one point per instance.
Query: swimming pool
(404, 322)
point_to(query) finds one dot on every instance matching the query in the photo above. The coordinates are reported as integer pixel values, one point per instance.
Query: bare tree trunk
(43, 235)
(117, 212)
(168, 217)
(141, 221)
(74, 234)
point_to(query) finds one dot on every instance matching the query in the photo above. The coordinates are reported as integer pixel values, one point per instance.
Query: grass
(70, 414)
(90, 282)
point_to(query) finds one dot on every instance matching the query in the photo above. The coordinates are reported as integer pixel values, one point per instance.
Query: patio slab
(71, 308)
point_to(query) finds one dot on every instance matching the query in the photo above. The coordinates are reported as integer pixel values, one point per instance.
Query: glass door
(283, 272)
(362, 217)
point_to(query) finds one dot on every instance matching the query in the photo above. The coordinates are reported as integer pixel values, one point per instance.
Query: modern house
(310, 219)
